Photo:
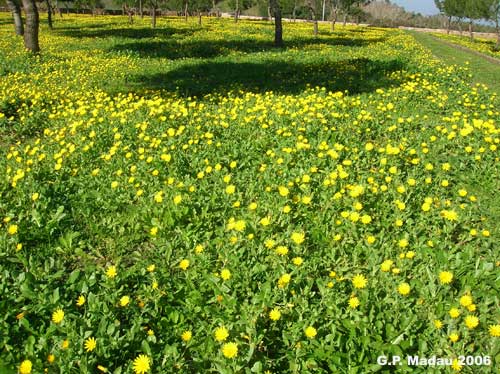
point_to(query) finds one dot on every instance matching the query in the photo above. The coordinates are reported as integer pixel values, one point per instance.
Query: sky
(426, 7)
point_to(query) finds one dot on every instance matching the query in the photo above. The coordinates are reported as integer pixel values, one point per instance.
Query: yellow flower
(471, 322)
(403, 243)
(184, 264)
(456, 365)
(51, 358)
(454, 337)
(221, 334)
(366, 219)
(265, 221)
(454, 313)
(90, 344)
(141, 364)
(153, 231)
(404, 288)
(80, 301)
(230, 350)
(65, 344)
(114, 184)
(284, 280)
(186, 336)
(177, 199)
(275, 314)
(269, 243)
(438, 324)
(298, 261)
(353, 302)
(230, 189)
(466, 300)
(124, 300)
(445, 277)
(370, 239)
(359, 281)
(310, 332)
(386, 265)
(252, 206)
(12, 230)
(283, 191)
(225, 274)
(25, 367)
(282, 250)
(35, 196)
(494, 330)
(58, 316)
(298, 237)
(111, 271)
(450, 215)
(199, 249)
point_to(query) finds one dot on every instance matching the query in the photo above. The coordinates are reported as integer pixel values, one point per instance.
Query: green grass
(179, 180)
(483, 70)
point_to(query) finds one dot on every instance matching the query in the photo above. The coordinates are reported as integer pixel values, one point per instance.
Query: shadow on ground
(175, 49)
(287, 77)
(123, 32)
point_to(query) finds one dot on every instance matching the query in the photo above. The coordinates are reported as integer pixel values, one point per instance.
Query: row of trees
(312, 9)
(471, 10)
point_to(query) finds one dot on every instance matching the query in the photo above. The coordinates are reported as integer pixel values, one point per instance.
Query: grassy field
(190, 199)
(483, 45)
(483, 70)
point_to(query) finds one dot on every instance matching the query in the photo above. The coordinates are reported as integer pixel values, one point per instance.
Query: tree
(128, 7)
(201, 6)
(474, 10)
(15, 9)
(275, 9)
(239, 6)
(153, 7)
(494, 15)
(312, 5)
(334, 9)
(32, 24)
(49, 13)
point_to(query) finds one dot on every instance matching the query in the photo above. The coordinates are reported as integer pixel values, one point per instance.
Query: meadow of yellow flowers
(190, 199)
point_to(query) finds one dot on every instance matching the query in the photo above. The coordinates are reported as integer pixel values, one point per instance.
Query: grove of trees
(458, 11)
(471, 10)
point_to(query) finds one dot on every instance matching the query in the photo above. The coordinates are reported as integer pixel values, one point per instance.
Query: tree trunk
(236, 11)
(199, 18)
(32, 24)
(313, 17)
(130, 14)
(16, 14)
(448, 26)
(141, 13)
(49, 14)
(497, 27)
(324, 9)
(186, 11)
(153, 17)
(278, 27)
(269, 13)
(345, 19)
(334, 17)
(471, 34)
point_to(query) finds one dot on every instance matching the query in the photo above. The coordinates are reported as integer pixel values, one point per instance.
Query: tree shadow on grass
(124, 32)
(354, 75)
(175, 49)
